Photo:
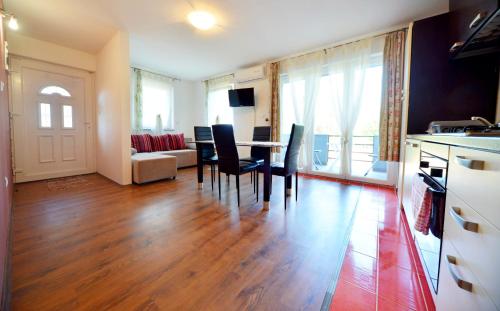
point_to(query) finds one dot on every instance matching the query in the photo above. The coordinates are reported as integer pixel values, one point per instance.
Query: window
(339, 99)
(53, 89)
(157, 100)
(67, 116)
(45, 117)
(219, 110)
(153, 102)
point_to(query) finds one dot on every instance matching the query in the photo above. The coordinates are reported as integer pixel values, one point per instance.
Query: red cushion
(142, 142)
(176, 141)
(158, 143)
(166, 141)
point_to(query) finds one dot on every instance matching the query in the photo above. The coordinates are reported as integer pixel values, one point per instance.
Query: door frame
(16, 64)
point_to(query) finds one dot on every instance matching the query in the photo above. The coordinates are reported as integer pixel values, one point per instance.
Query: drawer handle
(456, 46)
(411, 144)
(468, 163)
(477, 19)
(466, 225)
(452, 261)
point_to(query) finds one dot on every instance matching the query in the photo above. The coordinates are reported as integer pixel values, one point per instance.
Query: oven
(434, 166)
(434, 171)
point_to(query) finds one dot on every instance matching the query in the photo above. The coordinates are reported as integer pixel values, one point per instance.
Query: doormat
(64, 183)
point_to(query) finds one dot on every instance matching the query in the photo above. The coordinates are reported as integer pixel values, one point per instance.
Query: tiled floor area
(379, 271)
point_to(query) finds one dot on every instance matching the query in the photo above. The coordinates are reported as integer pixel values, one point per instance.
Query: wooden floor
(94, 245)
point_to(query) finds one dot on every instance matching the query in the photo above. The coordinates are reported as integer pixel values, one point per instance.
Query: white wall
(245, 118)
(50, 52)
(113, 110)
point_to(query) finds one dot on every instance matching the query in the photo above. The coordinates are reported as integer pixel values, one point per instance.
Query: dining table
(266, 146)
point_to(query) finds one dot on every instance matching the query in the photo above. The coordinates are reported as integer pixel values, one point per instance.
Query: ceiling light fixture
(12, 19)
(201, 20)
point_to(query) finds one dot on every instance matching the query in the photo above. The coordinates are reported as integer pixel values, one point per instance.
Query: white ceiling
(248, 31)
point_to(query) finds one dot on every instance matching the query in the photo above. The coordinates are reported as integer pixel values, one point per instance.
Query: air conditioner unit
(250, 74)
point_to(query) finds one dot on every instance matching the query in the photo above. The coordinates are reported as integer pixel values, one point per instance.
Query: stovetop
(463, 128)
(470, 133)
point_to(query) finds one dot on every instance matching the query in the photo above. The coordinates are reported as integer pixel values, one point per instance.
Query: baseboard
(7, 279)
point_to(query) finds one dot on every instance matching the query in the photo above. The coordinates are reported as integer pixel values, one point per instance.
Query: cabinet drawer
(452, 297)
(474, 176)
(478, 243)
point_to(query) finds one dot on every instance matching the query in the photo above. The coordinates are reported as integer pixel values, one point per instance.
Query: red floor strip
(381, 270)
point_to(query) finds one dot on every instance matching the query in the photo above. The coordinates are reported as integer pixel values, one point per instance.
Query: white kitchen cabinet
(474, 176)
(477, 241)
(458, 287)
(411, 165)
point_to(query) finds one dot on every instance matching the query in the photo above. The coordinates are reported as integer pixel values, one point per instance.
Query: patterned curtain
(392, 96)
(275, 102)
(137, 113)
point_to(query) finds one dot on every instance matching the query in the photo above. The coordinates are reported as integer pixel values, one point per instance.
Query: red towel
(421, 201)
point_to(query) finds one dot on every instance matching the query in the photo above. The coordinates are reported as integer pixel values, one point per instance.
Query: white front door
(52, 115)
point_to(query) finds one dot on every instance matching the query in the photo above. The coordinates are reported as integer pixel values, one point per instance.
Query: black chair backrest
(202, 133)
(229, 161)
(293, 149)
(260, 133)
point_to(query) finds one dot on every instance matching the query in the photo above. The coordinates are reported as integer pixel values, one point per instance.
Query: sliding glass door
(365, 140)
(329, 143)
(360, 149)
(346, 118)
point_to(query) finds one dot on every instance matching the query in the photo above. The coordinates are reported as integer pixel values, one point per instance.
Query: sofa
(157, 157)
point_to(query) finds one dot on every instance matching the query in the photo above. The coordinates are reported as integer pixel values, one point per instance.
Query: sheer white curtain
(301, 76)
(338, 74)
(346, 70)
(218, 110)
(153, 102)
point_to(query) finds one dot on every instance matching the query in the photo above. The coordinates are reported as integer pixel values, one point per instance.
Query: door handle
(468, 163)
(452, 261)
(466, 225)
(477, 19)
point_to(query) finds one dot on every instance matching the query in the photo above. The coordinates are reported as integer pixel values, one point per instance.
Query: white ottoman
(147, 167)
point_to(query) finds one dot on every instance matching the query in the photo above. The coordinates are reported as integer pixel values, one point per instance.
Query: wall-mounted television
(241, 97)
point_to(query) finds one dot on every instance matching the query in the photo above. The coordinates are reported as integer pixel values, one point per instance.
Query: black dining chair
(291, 163)
(229, 161)
(208, 156)
(257, 154)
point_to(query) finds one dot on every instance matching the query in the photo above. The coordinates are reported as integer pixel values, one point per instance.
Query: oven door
(429, 246)
(434, 167)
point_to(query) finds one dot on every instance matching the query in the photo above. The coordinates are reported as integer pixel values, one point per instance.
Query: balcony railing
(364, 158)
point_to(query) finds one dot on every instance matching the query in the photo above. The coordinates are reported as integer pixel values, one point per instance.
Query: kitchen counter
(486, 143)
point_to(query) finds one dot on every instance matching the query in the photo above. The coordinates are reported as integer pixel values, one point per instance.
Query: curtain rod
(349, 41)
(219, 77)
(155, 73)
